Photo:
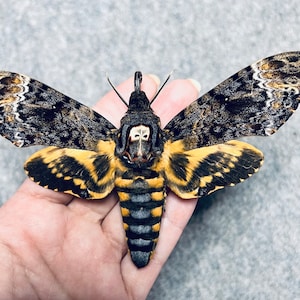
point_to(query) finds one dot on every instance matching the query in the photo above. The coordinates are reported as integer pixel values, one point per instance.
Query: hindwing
(199, 172)
(82, 173)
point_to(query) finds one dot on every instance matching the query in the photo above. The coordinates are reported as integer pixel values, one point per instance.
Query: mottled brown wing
(31, 113)
(255, 101)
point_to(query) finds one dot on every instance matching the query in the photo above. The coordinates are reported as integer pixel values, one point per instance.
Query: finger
(174, 97)
(112, 108)
(178, 212)
(95, 210)
(31, 191)
(176, 215)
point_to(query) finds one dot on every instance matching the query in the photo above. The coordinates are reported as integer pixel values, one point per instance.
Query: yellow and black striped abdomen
(142, 194)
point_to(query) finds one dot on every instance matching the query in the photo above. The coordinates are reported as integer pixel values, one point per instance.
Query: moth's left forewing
(32, 113)
(199, 172)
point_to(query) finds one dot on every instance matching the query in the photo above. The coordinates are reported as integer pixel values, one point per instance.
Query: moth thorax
(138, 148)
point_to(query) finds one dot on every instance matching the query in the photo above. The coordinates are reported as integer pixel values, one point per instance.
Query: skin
(56, 246)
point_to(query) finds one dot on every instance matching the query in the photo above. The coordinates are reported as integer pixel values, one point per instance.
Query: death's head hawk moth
(194, 155)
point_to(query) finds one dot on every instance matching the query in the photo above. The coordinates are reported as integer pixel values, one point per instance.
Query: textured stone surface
(242, 242)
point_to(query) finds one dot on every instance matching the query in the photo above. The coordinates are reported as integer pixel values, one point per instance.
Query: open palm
(55, 246)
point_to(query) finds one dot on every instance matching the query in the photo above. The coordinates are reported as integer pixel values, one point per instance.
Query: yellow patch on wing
(198, 172)
(82, 173)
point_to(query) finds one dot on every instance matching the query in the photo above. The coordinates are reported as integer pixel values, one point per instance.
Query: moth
(194, 155)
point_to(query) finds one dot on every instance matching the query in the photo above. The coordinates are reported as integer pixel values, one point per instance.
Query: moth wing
(31, 113)
(255, 101)
(199, 172)
(82, 173)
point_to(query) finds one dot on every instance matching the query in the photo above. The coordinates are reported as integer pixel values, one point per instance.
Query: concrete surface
(242, 242)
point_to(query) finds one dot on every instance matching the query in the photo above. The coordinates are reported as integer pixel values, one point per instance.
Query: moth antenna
(113, 87)
(162, 86)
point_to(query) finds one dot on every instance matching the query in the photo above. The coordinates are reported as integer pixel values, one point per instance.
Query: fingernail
(195, 83)
(155, 78)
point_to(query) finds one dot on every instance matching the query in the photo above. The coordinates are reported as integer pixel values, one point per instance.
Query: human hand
(56, 246)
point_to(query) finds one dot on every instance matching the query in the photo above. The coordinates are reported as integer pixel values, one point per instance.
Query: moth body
(141, 189)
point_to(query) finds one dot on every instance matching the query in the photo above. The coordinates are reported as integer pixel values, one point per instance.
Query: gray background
(242, 242)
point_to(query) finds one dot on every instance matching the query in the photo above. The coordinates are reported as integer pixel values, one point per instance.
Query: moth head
(138, 141)
(138, 101)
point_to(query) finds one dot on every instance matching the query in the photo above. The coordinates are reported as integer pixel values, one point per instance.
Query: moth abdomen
(141, 214)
